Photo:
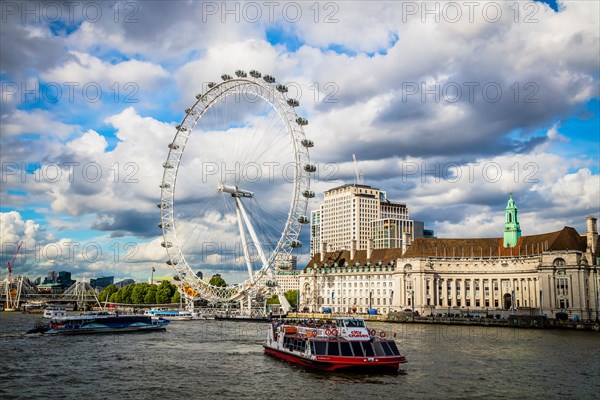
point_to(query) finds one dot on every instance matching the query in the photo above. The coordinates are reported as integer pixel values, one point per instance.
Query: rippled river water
(220, 359)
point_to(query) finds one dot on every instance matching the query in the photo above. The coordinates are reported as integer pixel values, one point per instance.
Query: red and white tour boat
(344, 344)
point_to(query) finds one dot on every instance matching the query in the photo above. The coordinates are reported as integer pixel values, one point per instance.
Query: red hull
(332, 363)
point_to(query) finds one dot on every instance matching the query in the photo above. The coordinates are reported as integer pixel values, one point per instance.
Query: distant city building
(356, 216)
(288, 280)
(315, 232)
(124, 282)
(54, 283)
(538, 274)
(50, 278)
(64, 278)
(101, 283)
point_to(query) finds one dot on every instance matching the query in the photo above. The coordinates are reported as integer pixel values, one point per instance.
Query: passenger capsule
(170, 262)
(310, 168)
(303, 219)
(240, 74)
(226, 77)
(293, 102)
(163, 206)
(309, 194)
(167, 165)
(269, 79)
(173, 146)
(164, 185)
(254, 73)
(166, 244)
(211, 85)
(307, 143)
(301, 121)
(296, 244)
(281, 88)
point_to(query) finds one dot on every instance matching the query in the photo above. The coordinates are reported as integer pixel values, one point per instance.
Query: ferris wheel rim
(301, 184)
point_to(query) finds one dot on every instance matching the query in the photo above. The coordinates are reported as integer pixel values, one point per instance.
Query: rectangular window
(394, 348)
(357, 349)
(333, 349)
(345, 349)
(379, 351)
(320, 348)
(368, 347)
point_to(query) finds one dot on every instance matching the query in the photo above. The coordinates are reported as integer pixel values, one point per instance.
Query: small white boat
(55, 312)
(171, 315)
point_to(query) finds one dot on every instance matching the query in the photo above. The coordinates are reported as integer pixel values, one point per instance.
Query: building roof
(351, 185)
(565, 239)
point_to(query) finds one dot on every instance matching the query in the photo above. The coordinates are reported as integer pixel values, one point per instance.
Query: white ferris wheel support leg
(244, 240)
(285, 305)
(261, 253)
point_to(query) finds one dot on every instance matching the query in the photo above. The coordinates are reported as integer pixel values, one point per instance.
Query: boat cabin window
(333, 349)
(345, 349)
(357, 348)
(294, 344)
(394, 348)
(368, 346)
(379, 350)
(350, 323)
(320, 348)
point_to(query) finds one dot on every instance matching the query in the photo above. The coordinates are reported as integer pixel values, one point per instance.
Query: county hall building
(537, 274)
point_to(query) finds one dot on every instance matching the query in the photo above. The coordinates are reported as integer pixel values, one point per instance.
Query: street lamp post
(152, 277)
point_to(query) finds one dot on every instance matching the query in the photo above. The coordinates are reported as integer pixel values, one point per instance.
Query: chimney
(369, 248)
(323, 249)
(592, 235)
(352, 249)
(406, 241)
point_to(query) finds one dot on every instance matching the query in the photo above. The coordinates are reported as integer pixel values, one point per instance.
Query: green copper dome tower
(512, 230)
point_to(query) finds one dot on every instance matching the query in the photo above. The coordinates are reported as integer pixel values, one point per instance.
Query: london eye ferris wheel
(236, 185)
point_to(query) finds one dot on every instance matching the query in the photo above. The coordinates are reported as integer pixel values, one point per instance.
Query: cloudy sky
(448, 107)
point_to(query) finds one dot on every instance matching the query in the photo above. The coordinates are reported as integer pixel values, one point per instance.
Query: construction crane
(10, 264)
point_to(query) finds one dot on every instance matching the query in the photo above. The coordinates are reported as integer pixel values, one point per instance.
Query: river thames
(225, 360)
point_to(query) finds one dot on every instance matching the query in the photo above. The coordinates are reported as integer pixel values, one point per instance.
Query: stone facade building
(537, 274)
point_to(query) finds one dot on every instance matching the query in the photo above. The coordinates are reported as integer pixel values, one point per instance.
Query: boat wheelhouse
(345, 344)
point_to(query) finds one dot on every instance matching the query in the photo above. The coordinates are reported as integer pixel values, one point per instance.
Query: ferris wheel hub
(234, 191)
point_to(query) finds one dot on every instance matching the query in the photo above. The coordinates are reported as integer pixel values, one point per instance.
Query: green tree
(217, 280)
(164, 292)
(126, 294)
(107, 292)
(115, 297)
(138, 294)
(273, 300)
(292, 297)
(150, 297)
(176, 297)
